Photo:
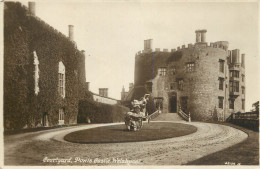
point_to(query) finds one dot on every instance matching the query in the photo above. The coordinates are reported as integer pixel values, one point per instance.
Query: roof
(136, 93)
(104, 96)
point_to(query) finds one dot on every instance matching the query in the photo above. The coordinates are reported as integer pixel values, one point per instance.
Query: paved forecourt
(35, 148)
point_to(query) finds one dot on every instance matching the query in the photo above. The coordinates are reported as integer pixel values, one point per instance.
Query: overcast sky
(112, 33)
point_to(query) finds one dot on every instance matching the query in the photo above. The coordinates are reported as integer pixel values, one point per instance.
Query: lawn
(245, 153)
(119, 134)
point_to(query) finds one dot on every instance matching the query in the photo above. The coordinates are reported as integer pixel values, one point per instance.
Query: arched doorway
(45, 121)
(173, 103)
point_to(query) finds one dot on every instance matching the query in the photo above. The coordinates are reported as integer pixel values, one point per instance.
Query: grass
(119, 134)
(245, 153)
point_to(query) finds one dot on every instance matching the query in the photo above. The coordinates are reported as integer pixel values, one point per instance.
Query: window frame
(220, 102)
(221, 83)
(162, 71)
(61, 80)
(221, 65)
(190, 67)
(180, 84)
(231, 103)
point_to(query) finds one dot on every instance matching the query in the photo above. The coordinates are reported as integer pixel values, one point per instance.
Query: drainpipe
(225, 99)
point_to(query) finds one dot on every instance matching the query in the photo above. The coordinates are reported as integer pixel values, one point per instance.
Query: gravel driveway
(49, 148)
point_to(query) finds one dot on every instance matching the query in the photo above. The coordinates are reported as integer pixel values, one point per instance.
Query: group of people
(134, 118)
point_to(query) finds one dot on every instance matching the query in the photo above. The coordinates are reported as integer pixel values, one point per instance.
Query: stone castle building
(205, 80)
(44, 72)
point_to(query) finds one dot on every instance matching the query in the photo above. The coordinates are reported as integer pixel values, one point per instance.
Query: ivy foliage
(24, 34)
(146, 65)
(95, 112)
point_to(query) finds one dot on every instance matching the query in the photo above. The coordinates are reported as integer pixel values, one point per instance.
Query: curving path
(33, 148)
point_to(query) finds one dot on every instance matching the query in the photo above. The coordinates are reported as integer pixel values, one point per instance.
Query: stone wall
(200, 86)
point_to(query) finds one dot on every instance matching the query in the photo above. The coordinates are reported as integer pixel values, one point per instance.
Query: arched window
(61, 78)
(36, 73)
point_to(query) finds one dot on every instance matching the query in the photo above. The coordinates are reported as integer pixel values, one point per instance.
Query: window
(243, 89)
(162, 71)
(36, 73)
(173, 71)
(221, 83)
(158, 103)
(61, 78)
(234, 73)
(243, 104)
(233, 86)
(220, 102)
(243, 78)
(180, 84)
(231, 103)
(221, 65)
(190, 67)
(61, 116)
(172, 86)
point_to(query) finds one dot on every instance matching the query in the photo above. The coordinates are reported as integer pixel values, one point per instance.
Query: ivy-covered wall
(95, 112)
(23, 35)
(146, 64)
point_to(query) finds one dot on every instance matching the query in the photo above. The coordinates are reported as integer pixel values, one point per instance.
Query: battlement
(200, 42)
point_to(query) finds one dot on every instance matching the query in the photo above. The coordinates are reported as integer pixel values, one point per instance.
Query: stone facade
(201, 79)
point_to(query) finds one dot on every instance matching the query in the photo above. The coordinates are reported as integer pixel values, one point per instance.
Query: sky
(112, 32)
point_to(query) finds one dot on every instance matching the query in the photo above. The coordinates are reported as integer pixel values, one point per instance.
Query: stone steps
(168, 117)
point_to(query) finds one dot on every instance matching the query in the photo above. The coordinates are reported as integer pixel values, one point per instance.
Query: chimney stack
(197, 36)
(103, 92)
(71, 32)
(31, 6)
(148, 45)
(235, 56)
(243, 60)
(201, 36)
